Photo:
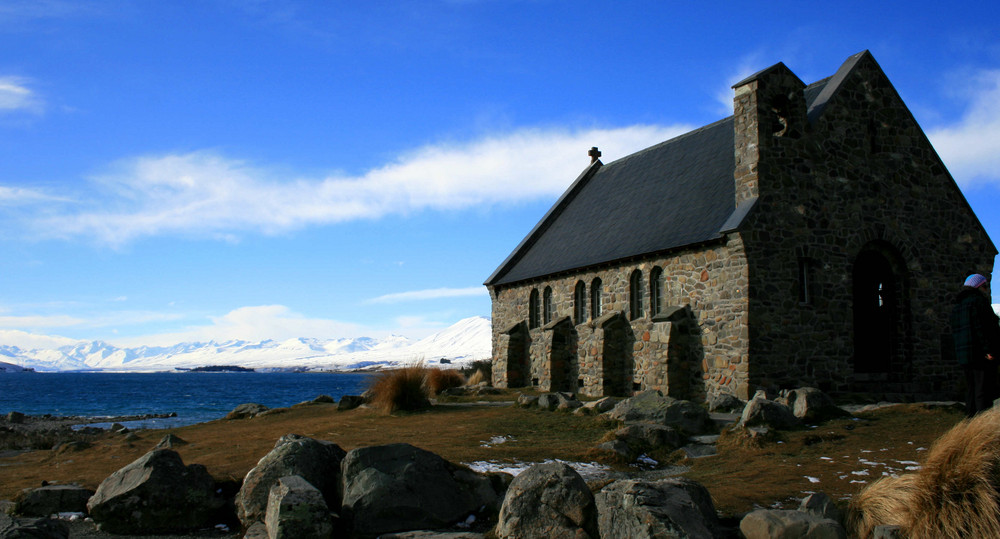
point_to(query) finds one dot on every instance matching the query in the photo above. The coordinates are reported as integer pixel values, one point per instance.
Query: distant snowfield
(466, 341)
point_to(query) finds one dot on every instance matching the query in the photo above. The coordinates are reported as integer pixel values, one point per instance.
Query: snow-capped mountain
(466, 341)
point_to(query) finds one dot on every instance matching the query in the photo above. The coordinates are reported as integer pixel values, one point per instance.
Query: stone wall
(861, 179)
(700, 349)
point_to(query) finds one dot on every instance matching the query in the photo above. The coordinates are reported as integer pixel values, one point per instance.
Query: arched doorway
(616, 356)
(879, 297)
(518, 363)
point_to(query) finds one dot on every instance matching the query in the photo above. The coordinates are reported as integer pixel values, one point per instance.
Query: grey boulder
(296, 509)
(789, 524)
(548, 500)
(155, 494)
(52, 499)
(811, 404)
(316, 461)
(635, 509)
(399, 487)
(761, 411)
(247, 410)
(32, 528)
(652, 407)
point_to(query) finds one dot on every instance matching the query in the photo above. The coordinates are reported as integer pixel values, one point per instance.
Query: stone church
(813, 238)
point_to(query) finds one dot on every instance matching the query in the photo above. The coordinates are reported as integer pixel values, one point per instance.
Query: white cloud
(40, 321)
(31, 341)
(16, 96)
(19, 195)
(208, 194)
(253, 323)
(434, 293)
(748, 65)
(971, 148)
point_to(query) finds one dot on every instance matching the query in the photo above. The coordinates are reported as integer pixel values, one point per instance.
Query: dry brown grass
(402, 389)
(439, 380)
(843, 456)
(477, 377)
(230, 448)
(740, 478)
(954, 494)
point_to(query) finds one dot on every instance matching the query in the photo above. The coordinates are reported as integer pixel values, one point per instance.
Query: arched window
(533, 309)
(635, 295)
(548, 310)
(595, 299)
(656, 289)
(580, 303)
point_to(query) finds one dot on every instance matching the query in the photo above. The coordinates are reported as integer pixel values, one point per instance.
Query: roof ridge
(675, 139)
(833, 85)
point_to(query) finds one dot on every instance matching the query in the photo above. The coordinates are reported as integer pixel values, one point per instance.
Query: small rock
(52, 499)
(789, 524)
(350, 402)
(246, 411)
(296, 509)
(170, 441)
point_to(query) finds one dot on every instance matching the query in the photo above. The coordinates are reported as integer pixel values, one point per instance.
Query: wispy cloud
(434, 293)
(253, 323)
(746, 66)
(18, 196)
(209, 194)
(40, 321)
(15, 95)
(33, 341)
(970, 148)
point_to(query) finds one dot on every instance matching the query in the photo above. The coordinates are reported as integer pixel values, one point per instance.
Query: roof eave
(544, 222)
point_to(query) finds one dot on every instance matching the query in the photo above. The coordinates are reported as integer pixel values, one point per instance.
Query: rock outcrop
(247, 410)
(761, 411)
(652, 407)
(548, 500)
(399, 487)
(52, 499)
(316, 461)
(32, 528)
(296, 509)
(811, 404)
(155, 494)
(635, 509)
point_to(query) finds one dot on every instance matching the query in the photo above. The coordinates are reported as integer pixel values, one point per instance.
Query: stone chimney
(768, 105)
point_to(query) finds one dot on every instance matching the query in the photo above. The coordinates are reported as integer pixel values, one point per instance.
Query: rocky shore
(21, 432)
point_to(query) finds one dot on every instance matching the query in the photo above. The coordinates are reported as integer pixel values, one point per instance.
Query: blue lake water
(194, 397)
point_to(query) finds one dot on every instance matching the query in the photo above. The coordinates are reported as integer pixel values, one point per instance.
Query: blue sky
(219, 169)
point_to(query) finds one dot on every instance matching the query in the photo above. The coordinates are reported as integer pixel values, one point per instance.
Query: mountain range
(464, 342)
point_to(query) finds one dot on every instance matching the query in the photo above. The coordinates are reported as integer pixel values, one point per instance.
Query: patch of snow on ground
(812, 479)
(586, 470)
(496, 440)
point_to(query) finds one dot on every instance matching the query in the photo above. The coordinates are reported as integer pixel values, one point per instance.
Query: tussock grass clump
(483, 365)
(400, 389)
(477, 377)
(956, 492)
(439, 380)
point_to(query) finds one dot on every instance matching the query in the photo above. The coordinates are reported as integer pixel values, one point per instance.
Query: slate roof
(674, 194)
